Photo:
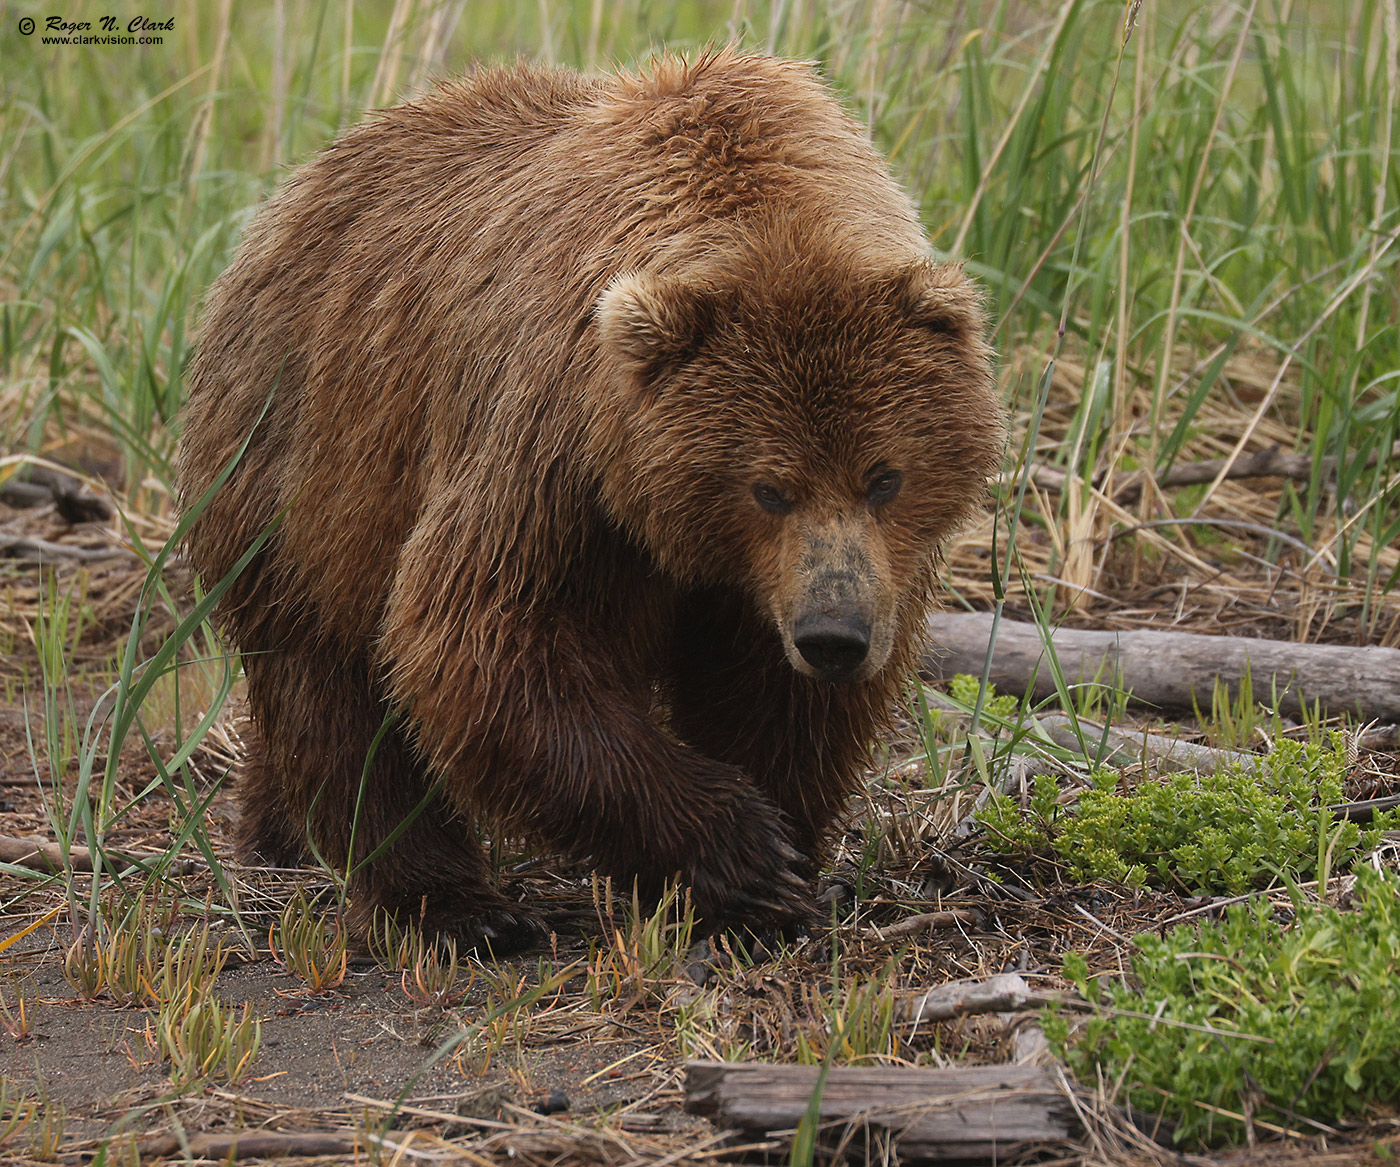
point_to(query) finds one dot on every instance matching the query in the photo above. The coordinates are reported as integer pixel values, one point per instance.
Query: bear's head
(807, 423)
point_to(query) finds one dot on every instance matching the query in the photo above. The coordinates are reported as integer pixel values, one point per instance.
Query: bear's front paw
(755, 880)
(493, 933)
(492, 928)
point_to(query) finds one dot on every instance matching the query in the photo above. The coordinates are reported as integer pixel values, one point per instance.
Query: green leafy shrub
(963, 689)
(1287, 1024)
(1223, 832)
(1010, 829)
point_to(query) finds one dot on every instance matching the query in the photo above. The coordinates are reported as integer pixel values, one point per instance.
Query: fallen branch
(32, 550)
(926, 922)
(1270, 463)
(234, 1145)
(40, 856)
(36, 482)
(37, 855)
(974, 1113)
(1169, 669)
(1108, 747)
(1004, 993)
(1125, 747)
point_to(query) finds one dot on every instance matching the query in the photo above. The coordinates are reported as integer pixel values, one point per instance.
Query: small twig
(1365, 810)
(926, 922)
(1093, 919)
(390, 1107)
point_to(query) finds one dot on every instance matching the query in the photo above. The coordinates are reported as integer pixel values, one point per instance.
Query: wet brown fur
(530, 342)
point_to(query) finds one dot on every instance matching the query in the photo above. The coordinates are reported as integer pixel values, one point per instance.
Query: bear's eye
(882, 485)
(770, 498)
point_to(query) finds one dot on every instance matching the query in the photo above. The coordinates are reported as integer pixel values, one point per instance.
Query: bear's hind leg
(265, 832)
(316, 716)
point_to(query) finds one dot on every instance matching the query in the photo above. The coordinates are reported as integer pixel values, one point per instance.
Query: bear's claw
(772, 891)
(498, 933)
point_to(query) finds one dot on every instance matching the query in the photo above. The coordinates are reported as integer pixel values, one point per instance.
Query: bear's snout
(835, 620)
(834, 644)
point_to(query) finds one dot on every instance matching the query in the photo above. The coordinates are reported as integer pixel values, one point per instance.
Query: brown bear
(606, 429)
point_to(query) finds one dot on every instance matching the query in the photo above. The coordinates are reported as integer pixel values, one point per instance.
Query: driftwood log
(1270, 463)
(32, 483)
(972, 1114)
(47, 856)
(33, 550)
(1169, 669)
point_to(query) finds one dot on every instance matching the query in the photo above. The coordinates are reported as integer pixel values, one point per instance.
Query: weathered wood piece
(1004, 993)
(236, 1145)
(1166, 669)
(1125, 747)
(34, 483)
(927, 922)
(41, 855)
(1270, 463)
(33, 550)
(38, 855)
(970, 1114)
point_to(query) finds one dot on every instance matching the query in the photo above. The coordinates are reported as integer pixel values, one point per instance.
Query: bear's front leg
(536, 725)
(735, 697)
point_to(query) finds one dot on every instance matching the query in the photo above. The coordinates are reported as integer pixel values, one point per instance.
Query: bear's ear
(653, 324)
(940, 298)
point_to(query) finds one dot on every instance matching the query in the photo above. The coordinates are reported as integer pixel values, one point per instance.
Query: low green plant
(508, 1017)
(15, 1109)
(964, 689)
(1234, 719)
(1102, 699)
(856, 1024)
(82, 966)
(15, 1020)
(1246, 1021)
(138, 943)
(309, 945)
(708, 1027)
(117, 954)
(432, 979)
(1010, 828)
(31, 1126)
(133, 954)
(509, 1013)
(646, 951)
(189, 965)
(204, 1039)
(1222, 832)
(394, 944)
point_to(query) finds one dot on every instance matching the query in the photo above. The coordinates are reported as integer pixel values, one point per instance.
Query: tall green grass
(1177, 186)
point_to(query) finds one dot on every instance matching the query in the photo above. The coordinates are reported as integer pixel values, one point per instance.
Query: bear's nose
(833, 645)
